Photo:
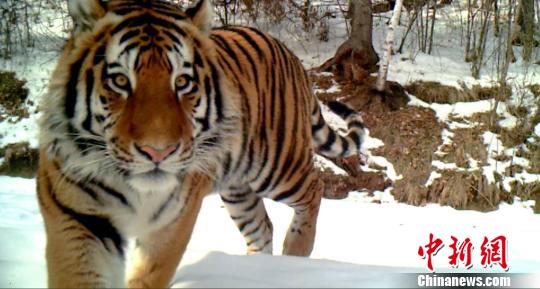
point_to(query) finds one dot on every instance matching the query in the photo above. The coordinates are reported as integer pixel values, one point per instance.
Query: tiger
(149, 109)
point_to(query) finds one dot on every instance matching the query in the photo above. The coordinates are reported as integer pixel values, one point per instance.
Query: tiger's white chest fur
(153, 203)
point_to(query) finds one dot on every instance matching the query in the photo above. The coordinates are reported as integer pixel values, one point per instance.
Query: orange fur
(147, 112)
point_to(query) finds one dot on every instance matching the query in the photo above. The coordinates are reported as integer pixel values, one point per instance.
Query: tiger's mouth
(153, 180)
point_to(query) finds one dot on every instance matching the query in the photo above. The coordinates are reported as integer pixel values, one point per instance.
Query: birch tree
(388, 45)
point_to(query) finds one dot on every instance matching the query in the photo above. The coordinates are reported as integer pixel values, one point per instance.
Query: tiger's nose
(154, 154)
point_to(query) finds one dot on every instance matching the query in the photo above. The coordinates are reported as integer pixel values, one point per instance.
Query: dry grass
(432, 91)
(465, 190)
(533, 154)
(19, 160)
(535, 89)
(412, 135)
(466, 144)
(13, 95)
(339, 186)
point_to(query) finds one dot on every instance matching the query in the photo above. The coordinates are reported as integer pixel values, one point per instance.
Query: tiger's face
(150, 129)
(140, 88)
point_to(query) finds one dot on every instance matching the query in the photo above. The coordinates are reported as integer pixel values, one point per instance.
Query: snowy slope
(359, 243)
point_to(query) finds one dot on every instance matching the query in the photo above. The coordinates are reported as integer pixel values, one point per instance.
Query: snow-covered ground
(361, 241)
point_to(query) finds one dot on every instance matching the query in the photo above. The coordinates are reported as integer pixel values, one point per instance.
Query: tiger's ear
(201, 15)
(86, 13)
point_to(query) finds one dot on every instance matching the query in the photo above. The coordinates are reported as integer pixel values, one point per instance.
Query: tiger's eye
(121, 80)
(181, 82)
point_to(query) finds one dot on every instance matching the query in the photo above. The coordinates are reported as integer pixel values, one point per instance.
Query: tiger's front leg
(158, 254)
(78, 259)
(83, 251)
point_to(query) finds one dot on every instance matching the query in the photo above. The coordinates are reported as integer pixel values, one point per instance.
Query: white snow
(35, 69)
(433, 176)
(457, 110)
(359, 242)
(495, 148)
(324, 163)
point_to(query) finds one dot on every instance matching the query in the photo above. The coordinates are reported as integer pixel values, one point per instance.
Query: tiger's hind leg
(305, 201)
(248, 212)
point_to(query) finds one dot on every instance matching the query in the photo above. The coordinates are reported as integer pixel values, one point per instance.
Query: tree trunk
(527, 28)
(383, 70)
(361, 34)
(356, 56)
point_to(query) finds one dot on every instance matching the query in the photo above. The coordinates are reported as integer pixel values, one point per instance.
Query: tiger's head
(139, 90)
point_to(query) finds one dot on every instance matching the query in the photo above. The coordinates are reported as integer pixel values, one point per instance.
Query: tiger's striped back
(276, 91)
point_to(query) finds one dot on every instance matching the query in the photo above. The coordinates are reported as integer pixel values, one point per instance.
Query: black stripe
(331, 139)
(100, 227)
(225, 46)
(255, 228)
(208, 90)
(124, 11)
(340, 109)
(172, 37)
(318, 126)
(226, 66)
(264, 159)
(192, 11)
(253, 241)
(130, 34)
(71, 86)
(103, 4)
(293, 190)
(162, 208)
(266, 39)
(356, 123)
(252, 206)
(126, 23)
(280, 123)
(197, 60)
(248, 38)
(100, 54)
(287, 164)
(239, 193)
(87, 123)
(251, 63)
(246, 119)
(243, 225)
(145, 19)
(99, 118)
(227, 163)
(204, 123)
(129, 47)
(356, 139)
(345, 144)
(218, 98)
(110, 191)
(93, 194)
(229, 201)
(83, 144)
(176, 16)
(113, 65)
(273, 91)
(251, 156)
